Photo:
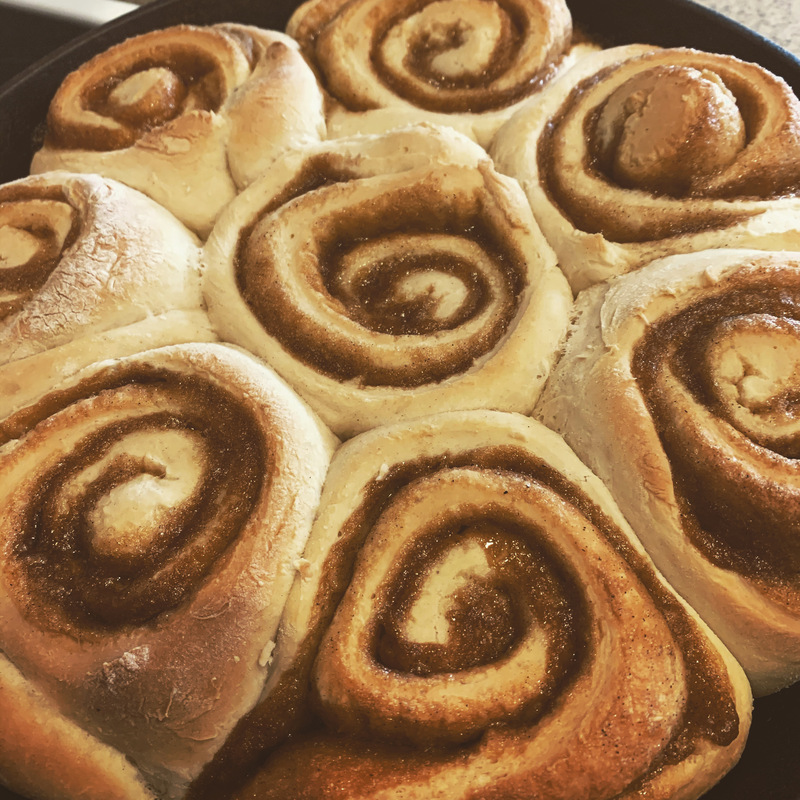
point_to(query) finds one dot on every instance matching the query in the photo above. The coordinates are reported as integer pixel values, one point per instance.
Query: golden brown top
(470, 605)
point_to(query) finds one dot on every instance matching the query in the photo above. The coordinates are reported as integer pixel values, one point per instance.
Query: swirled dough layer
(188, 114)
(477, 619)
(679, 387)
(467, 64)
(155, 507)
(638, 153)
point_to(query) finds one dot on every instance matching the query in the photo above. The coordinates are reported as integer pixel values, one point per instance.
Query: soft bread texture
(427, 684)
(390, 276)
(189, 144)
(386, 64)
(82, 254)
(27, 379)
(699, 458)
(179, 485)
(638, 153)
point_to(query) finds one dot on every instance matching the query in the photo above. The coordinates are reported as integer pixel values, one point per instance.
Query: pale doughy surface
(115, 258)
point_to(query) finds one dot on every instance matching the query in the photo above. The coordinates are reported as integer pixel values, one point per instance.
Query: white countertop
(778, 20)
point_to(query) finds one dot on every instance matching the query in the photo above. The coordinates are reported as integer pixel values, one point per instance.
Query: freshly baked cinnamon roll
(154, 511)
(81, 254)
(188, 115)
(639, 153)
(465, 63)
(389, 276)
(477, 620)
(679, 387)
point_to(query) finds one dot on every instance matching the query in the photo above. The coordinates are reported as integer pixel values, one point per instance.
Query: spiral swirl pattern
(456, 58)
(34, 231)
(709, 381)
(155, 506)
(132, 88)
(207, 108)
(732, 362)
(80, 254)
(379, 274)
(79, 549)
(452, 56)
(497, 618)
(651, 152)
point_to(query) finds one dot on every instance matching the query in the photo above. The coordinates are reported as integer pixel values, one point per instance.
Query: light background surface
(778, 20)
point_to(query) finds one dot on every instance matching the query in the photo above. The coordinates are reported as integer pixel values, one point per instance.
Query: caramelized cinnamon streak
(466, 92)
(379, 247)
(325, 752)
(142, 83)
(487, 616)
(36, 226)
(176, 76)
(55, 554)
(733, 462)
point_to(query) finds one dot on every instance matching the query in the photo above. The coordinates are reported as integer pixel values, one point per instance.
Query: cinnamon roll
(640, 153)
(477, 620)
(154, 511)
(679, 387)
(464, 63)
(188, 114)
(80, 254)
(388, 276)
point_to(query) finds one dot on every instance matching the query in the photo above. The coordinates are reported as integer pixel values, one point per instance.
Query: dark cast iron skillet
(770, 766)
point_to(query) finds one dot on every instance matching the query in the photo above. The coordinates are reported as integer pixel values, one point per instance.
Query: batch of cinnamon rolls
(402, 405)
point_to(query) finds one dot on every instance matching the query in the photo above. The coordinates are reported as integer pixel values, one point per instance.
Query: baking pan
(770, 767)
